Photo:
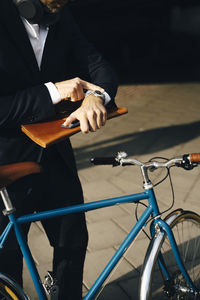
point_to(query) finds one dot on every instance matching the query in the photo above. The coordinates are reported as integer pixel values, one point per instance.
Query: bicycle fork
(164, 226)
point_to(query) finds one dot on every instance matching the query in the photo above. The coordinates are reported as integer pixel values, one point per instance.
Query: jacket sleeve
(25, 106)
(87, 62)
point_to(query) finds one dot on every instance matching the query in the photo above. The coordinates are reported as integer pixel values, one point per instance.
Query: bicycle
(173, 255)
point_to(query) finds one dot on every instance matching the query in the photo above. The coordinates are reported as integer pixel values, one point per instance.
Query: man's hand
(73, 89)
(91, 114)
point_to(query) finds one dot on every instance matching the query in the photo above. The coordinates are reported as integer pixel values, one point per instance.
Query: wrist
(98, 94)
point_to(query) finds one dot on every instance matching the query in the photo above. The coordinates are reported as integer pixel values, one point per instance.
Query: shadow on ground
(138, 143)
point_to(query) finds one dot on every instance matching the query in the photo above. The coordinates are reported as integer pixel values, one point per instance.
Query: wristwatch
(99, 94)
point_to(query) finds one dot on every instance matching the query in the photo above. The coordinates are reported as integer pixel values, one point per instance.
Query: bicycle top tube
(133, 198)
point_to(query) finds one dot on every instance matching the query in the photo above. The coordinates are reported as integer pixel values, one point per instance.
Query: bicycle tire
(185, 226)
(10, 290)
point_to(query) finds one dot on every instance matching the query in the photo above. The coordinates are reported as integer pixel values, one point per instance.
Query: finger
(74, 95)
(104, 117)
(84, 125)
(99, 119)
(80, 92)
(99, 122)
(90, 86)
(92, 119)
(69, 120)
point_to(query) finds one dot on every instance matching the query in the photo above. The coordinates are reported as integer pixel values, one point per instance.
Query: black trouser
(57, 186)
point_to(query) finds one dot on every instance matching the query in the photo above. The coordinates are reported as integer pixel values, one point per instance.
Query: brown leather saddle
(12, 172)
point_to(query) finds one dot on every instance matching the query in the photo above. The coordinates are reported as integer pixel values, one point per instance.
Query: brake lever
(186, 165)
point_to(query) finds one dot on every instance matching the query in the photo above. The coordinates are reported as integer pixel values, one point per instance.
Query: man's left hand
(91, 114)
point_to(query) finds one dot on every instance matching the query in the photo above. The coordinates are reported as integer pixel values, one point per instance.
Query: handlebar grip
(195, 157)
(104, 161)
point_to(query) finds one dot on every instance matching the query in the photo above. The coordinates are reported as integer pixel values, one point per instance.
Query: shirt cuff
(53, 91)
(107, 97)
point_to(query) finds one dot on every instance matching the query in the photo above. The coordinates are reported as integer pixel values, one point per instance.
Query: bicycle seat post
(10, 173)
(9, 209)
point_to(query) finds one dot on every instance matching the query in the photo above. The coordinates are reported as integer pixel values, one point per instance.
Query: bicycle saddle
(12, 172)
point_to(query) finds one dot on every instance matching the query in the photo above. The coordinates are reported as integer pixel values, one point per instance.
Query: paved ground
(163, 120)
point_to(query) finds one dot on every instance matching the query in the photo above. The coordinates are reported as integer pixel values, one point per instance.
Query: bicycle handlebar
(194, 157)
(104, 161)
(186, 161)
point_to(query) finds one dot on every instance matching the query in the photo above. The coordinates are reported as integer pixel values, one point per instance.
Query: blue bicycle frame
(152, 209)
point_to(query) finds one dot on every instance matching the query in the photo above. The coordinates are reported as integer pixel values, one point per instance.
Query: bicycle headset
(36, 12)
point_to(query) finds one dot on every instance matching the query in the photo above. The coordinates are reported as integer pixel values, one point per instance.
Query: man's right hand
(73, 89)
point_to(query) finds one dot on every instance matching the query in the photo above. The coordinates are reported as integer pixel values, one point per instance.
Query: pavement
(163, 120)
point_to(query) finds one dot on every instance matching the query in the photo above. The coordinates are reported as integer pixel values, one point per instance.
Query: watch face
(99, 93)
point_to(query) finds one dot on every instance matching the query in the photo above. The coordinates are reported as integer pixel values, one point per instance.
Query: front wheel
(9, 290)
(185, 226)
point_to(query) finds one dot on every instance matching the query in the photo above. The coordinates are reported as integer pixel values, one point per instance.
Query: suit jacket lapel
(50, 50)
(17, 31)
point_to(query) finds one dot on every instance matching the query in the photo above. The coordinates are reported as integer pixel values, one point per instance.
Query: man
(43, 60)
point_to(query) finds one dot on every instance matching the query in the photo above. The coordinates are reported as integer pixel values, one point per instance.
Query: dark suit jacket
(23, 96)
